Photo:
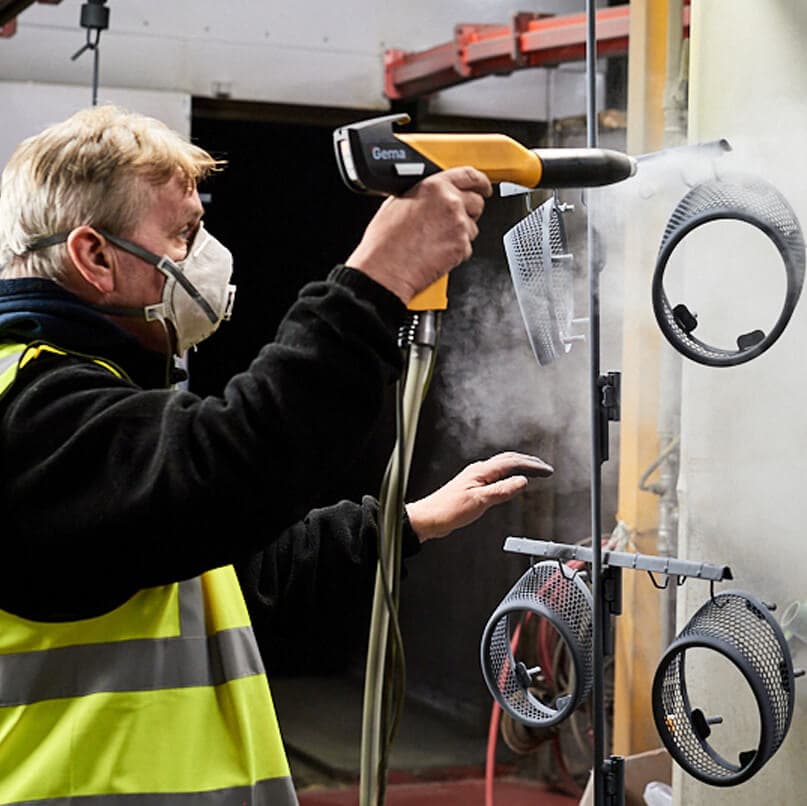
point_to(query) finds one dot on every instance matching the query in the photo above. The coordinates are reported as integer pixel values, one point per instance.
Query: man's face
(166, 228)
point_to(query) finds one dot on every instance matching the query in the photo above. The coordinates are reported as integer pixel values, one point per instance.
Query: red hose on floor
(493, 730)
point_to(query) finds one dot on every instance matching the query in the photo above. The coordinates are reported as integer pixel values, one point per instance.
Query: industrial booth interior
(706, 463)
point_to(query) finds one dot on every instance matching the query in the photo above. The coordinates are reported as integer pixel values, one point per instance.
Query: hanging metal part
(95, 18)
(751, 200)
(561, 601)
(541, 268)
(739, 628)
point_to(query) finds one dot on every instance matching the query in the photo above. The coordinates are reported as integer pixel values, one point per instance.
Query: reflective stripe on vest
(9, 358)
(16, 356)
(264, 793)
(161, 701)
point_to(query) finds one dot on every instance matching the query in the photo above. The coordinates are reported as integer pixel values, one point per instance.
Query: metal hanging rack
(609, 773)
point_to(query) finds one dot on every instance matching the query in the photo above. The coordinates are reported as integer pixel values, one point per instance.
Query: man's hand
(415, 239)
(472, 492)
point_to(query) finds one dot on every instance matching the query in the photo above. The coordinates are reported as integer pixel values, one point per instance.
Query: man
(128, 666)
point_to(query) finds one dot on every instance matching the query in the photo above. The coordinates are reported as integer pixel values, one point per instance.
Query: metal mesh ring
(541, 270)
(741, 198)
(740, 628)
(550, 591)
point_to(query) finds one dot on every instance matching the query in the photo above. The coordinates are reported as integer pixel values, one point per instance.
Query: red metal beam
(531, 40)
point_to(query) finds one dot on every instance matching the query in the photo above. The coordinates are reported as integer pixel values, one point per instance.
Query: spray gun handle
(433, 298)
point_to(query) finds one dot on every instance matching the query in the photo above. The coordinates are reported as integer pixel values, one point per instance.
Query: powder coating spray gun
(374, 159)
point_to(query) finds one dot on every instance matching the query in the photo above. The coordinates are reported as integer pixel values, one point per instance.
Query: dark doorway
(282, 209)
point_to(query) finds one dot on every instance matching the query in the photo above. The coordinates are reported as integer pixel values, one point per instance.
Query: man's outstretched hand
(472, 492)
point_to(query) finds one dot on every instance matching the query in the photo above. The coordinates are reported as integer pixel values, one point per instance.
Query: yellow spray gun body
(372, 158)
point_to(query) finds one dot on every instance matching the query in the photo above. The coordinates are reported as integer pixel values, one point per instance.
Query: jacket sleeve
(109, 488)
(309, 592)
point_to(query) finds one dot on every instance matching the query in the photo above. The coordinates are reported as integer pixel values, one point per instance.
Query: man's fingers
(469, 178)
(503, 490)
(511, 463)
(474, 204)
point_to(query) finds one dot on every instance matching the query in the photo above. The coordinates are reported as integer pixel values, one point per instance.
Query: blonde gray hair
(98, 167)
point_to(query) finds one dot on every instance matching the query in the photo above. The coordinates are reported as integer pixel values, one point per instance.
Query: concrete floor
(435, 761)
(470, 792)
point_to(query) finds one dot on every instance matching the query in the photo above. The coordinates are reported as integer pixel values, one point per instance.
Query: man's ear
(92, 256)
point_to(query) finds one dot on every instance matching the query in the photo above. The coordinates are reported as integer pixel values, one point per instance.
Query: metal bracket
(671, 566)
(614, 779)
(612, 597)
(610, 407)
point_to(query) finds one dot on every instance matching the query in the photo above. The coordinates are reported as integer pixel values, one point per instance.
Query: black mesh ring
(740, 628)
(740, 198)
(550, 591)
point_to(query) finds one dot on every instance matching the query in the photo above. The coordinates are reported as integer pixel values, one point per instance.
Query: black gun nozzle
(584, 167)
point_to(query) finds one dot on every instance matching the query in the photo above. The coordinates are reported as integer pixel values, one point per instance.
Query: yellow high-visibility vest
(163, 701)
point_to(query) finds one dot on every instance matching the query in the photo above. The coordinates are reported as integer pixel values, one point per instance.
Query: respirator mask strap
(115, 310)
(161, 262)
(169, 269)
(48, 240)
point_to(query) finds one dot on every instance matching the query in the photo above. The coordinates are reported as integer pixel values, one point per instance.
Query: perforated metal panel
(541, 270)
(742, 630)
(549, 591)
(742, 198)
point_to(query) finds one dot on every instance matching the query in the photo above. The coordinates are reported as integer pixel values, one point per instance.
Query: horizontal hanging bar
(671, 566)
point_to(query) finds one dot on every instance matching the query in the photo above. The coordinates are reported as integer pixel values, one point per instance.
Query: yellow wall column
(638, 628)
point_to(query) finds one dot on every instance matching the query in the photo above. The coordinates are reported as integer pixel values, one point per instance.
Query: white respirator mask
(197, 296)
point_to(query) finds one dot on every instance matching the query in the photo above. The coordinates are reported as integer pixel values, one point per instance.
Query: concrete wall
(744, 429)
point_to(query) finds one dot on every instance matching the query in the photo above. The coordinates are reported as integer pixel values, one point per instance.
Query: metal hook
(656, 584)
(88, 45)
(712, 595)
(562, 566)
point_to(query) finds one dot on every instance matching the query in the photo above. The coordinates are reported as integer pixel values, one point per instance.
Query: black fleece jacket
(111, 485)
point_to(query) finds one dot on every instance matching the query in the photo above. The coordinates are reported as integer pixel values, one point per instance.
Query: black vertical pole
(598, 687)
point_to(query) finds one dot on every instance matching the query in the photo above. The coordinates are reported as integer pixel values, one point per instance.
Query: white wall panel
(28, 108)
(312, 53)
(744, 429)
